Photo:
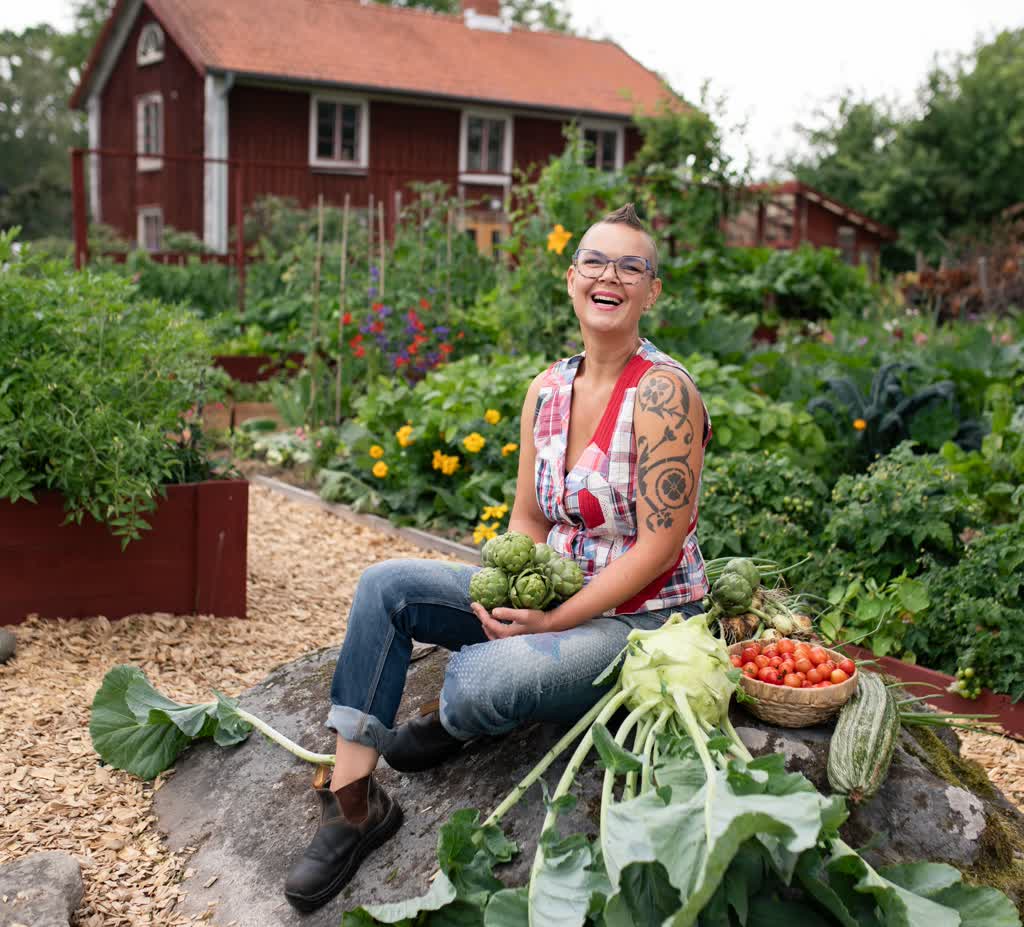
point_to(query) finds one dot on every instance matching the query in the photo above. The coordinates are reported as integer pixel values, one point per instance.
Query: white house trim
(362, 161)
(607, 125)
(152, 35)
(93, 109)
(122, 29)
(465, 176)
(144, 213)
(215, 176)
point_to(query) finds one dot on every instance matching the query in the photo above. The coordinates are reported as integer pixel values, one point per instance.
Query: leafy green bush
(975, 618)
(760, 504)
(883, 522)
(204, 288)
(95, 392)
(411, 454)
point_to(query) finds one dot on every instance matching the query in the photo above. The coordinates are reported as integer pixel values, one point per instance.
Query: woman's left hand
(519, 621)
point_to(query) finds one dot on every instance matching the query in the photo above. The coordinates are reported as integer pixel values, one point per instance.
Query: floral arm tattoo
(666, 482)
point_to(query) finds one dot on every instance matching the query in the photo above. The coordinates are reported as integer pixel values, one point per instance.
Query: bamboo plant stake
(383, 250)
(315, 325)
(448, 267)
(341, 311)
(370, 213)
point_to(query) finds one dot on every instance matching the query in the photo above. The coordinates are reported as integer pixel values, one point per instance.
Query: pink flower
(920, 338)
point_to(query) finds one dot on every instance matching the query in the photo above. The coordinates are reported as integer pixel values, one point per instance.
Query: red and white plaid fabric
(593, 507)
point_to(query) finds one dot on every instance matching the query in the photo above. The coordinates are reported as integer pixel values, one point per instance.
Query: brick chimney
(483, 7)
(484, 14)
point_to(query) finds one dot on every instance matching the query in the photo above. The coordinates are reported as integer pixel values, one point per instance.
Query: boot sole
(383, 832)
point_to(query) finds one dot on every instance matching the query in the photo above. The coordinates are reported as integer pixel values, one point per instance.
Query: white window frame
(141, 102)
(601, 125)
(154, 52)
(465, 176)
(144, 213)
(362, 161)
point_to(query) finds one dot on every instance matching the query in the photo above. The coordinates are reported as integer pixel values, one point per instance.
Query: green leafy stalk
(278, 738)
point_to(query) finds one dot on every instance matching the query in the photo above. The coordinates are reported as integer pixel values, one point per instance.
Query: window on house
(338, 136)
(151, 228)
(151, 45)
(485, 145)
(846, 239)
(149, 131)
(602, 149)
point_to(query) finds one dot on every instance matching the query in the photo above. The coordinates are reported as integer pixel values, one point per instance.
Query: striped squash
(864, 739)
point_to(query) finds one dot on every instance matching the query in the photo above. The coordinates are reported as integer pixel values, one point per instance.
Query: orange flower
(558, 239)
(859, 424)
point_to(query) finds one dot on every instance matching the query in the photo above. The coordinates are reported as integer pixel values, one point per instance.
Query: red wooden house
(303, 97)
(786, 215)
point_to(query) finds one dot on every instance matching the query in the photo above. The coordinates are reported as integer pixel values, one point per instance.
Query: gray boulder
(41, 890)
(250, 810)
(8, 645)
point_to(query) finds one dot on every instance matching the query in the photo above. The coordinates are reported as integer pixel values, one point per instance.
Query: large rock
(41, 890)
(249, 811)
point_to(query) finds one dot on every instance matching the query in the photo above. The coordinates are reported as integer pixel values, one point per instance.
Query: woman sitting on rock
(611, 450)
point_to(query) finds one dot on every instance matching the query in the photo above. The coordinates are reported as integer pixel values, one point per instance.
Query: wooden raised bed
(192, 561)
(1009, 714)
(253, 368)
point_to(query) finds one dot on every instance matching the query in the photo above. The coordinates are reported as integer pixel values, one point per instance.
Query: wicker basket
(786, 707)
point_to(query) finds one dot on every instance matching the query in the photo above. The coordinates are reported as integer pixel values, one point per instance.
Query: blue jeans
(490, 687)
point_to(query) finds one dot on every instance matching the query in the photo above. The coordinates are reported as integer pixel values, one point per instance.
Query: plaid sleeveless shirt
(593, 506)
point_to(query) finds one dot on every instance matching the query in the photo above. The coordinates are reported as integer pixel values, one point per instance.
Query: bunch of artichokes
(519, 573)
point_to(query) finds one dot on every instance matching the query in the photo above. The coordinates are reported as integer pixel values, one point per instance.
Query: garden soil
(54, 794)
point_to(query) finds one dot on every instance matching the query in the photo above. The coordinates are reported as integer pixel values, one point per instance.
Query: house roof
(347, 43)
(848, 213)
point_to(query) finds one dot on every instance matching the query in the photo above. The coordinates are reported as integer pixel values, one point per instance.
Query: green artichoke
(543, 554)
(512, 552)
(746, 568)
(565, 576)
(489, 587)
(732, 593)
(487, 552)
(530, 589)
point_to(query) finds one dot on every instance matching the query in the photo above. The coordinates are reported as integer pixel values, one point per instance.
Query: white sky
(774, 62)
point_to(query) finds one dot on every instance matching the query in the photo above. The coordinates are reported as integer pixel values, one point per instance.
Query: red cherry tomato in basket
(768, 674)
(793, 681)
(749, 669)
(838, 677)
(848, 666)
(736, 660)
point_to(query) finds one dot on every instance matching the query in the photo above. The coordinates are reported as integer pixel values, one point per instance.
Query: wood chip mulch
(54, 794)
(303, 565)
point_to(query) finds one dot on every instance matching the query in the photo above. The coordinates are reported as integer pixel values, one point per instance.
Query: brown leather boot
(354, 821)
(422, 743)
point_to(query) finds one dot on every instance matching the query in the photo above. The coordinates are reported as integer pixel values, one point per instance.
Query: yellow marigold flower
(494, 511)
(474, 442)
(376, 452)
(859, 424)
(438, 460)
(449, 465)
(404, 435)
(509, 449)
(492, 416)
(380, 469)
(483, 532)
(558, 239)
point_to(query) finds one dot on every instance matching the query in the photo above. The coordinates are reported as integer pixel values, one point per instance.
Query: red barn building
(338, 97)
(786, 215)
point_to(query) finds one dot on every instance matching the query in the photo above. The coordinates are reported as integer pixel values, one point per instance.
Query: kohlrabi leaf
(775, 912)
(609, 673)
(696, 839)
(137, 729)
(563, 884)
(977, 905)
(440, 893)
(614, 756)
(508, 908)
(126, 741)
(645, 896)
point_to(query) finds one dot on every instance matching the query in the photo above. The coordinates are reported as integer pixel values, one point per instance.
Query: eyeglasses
(629, 267)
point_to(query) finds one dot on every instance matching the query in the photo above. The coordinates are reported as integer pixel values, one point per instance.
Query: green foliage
(443, 411)
(868, 425)
(761, 503)
(95, 386)
(939, 175)
(204, 288)
(973, 619)
(885, 520)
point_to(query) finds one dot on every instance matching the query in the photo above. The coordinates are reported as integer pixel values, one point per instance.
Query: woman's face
(606, 303)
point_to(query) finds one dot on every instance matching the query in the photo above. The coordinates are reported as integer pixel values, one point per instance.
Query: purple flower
(385, 312)
(374, 272)
(862, 341)
(431, 290)
(372, 291)
(410, 329)
(365, 327)
(382, 341)
(441, 331)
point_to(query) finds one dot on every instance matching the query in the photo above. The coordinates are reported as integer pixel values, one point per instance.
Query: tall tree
(943, 174)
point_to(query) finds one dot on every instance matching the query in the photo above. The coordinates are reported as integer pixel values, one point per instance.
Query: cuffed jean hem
(357, 727)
